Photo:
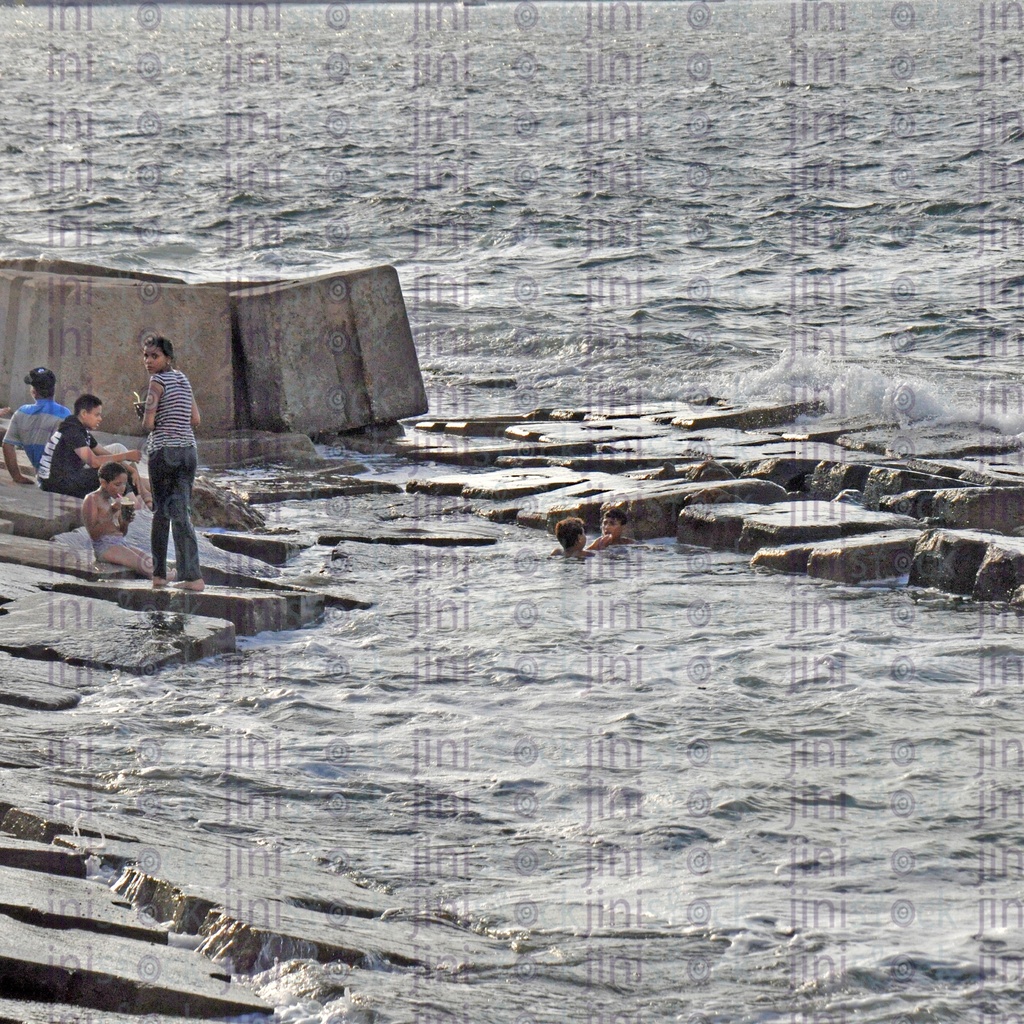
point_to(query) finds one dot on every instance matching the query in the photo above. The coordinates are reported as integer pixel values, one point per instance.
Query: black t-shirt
(60, 464)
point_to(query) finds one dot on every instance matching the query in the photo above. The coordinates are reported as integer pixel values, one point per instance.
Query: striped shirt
(173, 426)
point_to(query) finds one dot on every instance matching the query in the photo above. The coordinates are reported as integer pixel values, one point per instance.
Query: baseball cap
(41, 377)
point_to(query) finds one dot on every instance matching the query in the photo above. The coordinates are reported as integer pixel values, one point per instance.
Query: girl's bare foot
(195, 585)
(159, 582)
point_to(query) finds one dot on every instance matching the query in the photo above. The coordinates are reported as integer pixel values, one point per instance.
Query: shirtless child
(106, 518)
(572, 537)
(613, 522)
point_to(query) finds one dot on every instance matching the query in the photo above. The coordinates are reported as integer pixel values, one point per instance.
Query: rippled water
(672, 785)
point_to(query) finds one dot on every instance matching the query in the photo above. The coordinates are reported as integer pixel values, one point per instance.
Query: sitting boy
(613, 522)
(72, 456)
(572, 537)
(32, 424)
(107, 518)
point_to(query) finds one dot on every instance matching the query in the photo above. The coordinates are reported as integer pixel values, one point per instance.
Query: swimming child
(613, 522)
(107, 517)
(572, 537)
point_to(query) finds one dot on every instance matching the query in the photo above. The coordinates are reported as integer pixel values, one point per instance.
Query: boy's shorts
(105, 543)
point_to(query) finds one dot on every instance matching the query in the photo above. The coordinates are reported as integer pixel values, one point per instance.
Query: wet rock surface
(84, 631)
(708, 475)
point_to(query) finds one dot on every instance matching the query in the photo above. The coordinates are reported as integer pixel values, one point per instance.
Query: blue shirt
(32, 425)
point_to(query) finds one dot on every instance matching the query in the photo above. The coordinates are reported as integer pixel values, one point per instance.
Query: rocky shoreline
(178, 928)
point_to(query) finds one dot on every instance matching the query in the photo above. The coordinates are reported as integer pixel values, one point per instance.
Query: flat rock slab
(29, 855)
(884, 481)
(428, 449)
(812, 521)
(35, 513)
(23, 1011)
(949, 559)
(439, 535)
(499, 486)
(24, 580)
(42, 554)
(58, 901)
(34, 685)
(286, 932)
(713, 526)
(879, 556)
(980, 508)
(588, 431)
(106, 972)
(926, 443)
(269, 492)
(754, 417)
(249, 611)
(274, 550)
(180, 875)
(324, 588)
(85, 631)
(482, 426)
(989, 473)
(652, 505)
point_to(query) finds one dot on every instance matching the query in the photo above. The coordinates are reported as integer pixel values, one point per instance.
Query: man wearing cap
(32, 425)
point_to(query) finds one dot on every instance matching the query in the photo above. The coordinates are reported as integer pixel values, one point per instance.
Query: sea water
(674, 788)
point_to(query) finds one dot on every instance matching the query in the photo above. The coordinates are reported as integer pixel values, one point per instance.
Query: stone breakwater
(313, 356)
(169, 937)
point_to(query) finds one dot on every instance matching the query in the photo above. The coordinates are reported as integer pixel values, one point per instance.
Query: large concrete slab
(713, 526)
(807, 521)
(327, 354)
(38, 514)
(949, 559)
(980, 508)
(877, 556)
(249, 611)
(34, 685)
(47, 555)
(25, 1011)
(652, 506)
(108, 972)
(754, 417)
(504, 485)
(61, 901)
(88, 330)
(85, 631)
(44, 857)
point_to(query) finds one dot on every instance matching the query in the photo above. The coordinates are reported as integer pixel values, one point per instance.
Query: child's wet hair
(569, 531)
(617, 515)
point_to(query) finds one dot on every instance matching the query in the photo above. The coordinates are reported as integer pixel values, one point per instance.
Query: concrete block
(84, 631)
(949, 559)
(106, 972)
(39, 514)
(812, 521)
(88, 330)
(327, 354)
(32, 856)
(879, 556)
(249, 611)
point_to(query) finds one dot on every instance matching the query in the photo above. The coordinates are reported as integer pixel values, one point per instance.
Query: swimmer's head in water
(615, 515)
(569, 532)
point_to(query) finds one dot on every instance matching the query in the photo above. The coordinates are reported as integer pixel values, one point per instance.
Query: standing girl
(170, 416)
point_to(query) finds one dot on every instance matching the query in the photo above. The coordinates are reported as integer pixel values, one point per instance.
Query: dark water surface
(669, 785)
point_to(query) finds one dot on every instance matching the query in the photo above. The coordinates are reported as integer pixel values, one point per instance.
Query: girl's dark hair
(160, 342)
